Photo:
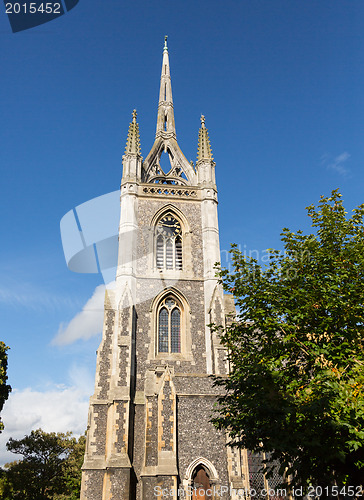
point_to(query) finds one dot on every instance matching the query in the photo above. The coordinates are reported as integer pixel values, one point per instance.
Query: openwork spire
(204, 147)
(165, 138)
(165, 119)
(133, 141)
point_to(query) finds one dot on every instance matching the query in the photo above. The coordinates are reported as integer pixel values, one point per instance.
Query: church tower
(148, 424)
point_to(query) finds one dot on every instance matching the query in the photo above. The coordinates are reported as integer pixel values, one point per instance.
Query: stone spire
(165, 138)
(133, 141)
(165, 121)
(204, 147)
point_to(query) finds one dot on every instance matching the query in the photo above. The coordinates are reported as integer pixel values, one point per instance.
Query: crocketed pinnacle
(133, 141)
(204, 147)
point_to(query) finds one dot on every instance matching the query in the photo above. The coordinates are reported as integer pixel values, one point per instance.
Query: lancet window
(169, 326)
(169, 243)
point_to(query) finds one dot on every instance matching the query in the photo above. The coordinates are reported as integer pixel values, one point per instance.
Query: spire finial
(133, 141)
(165, 119)
(204, 147)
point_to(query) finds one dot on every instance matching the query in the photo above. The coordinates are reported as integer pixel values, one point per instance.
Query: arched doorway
(201, 484)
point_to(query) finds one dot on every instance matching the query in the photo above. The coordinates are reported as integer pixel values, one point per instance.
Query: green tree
(4, 387)
(6, 488)
(50, 467)
(72, 471)
(296, 387)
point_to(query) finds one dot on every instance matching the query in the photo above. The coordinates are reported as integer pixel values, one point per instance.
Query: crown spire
(165, 137)
(204, 147)
(165, 120)
(133, 141)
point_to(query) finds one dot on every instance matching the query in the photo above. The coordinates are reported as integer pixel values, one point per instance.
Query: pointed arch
(206, 464)
(216, 296)
(165, 163)
(167, 421)
(168, 241)
(169, 321)
(161, 144)
(171, 325)
(182, 245)
(178, 213)
(125, 298)
(170, 291)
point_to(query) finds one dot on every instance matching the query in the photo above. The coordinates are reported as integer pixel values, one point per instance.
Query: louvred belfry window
(169, 243)
(169, 326)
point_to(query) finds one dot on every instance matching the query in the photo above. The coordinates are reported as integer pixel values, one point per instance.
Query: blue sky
(281, 85)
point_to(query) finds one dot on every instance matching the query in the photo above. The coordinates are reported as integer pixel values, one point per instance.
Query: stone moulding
(168, 190)
(201, 461)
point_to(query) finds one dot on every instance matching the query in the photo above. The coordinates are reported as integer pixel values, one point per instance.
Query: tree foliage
(72, 471)
(296, 387)
(4, 387)
(50, 467)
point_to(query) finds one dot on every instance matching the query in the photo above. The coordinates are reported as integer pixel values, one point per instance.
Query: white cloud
(338, 164)
(59, 409)
(85, 324)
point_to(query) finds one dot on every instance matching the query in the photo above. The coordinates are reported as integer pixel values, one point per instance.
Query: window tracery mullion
(163, 332)
(175, 329)
(169, 331)
(174, 252)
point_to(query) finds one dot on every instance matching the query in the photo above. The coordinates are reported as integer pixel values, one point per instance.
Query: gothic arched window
(169, 326)
(168, 243)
